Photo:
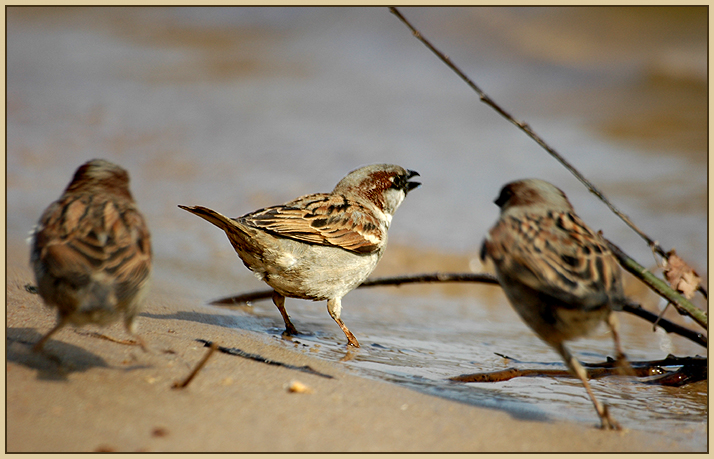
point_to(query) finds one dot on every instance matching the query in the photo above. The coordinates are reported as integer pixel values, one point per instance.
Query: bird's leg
(606, 420)
(279, 301)
(334, 307)
(621, 362)
(130, 326)
(38, 346)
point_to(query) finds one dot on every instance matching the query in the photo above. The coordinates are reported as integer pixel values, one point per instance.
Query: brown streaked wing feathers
(131, 260)
(322, 219)
(90, 233)
(582, 281)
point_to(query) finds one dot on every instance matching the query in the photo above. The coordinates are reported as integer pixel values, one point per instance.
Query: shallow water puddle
(422, 355)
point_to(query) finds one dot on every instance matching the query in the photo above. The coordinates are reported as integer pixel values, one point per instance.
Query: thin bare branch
(631, 307)
(527, 129)
(258, 295)
(659, 286)
(692, 369)
(430, 278)
(666, 325)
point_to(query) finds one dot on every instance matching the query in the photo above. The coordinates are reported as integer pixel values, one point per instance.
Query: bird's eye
(398, 181)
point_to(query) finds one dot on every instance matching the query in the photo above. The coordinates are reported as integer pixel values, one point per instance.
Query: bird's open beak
(412, 185)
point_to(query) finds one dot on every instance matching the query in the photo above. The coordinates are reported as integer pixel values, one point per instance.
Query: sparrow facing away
(91, 251)
(557, 273)
(319, 246)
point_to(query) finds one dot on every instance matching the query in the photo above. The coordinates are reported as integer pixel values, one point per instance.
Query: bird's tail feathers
(209, 215)
(100, 298)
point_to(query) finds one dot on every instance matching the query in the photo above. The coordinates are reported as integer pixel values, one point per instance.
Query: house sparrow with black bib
(557, 273)
(319, 246)
(91, 251)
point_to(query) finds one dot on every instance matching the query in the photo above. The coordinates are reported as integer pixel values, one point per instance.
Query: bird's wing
(84, 234)
(557, 255)
(325, 219)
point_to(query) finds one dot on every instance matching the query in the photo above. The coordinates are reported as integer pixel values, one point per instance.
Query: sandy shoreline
(114, 397)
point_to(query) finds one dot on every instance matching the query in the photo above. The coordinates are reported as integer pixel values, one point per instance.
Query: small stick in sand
(201, 364)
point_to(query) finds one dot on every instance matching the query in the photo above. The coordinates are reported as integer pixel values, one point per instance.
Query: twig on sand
(199, 366)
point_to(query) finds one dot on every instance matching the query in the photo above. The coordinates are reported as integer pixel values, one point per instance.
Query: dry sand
(106, 396)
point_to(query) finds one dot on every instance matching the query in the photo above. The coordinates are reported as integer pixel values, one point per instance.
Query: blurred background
(237, 108)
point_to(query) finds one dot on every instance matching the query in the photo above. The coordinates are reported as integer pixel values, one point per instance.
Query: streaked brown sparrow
(319, 246)
(557, 273)
(91, 251)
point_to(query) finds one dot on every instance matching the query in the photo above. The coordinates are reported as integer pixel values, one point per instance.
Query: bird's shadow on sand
(48, 363)
(249, 322)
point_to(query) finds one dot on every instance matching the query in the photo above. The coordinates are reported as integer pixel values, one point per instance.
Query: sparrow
(91, 251)
(319, 246)
(557, 273)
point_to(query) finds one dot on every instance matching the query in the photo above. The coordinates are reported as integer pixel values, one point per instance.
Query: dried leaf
(680, 275)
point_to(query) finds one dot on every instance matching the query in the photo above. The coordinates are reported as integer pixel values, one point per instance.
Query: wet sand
(106, 396)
